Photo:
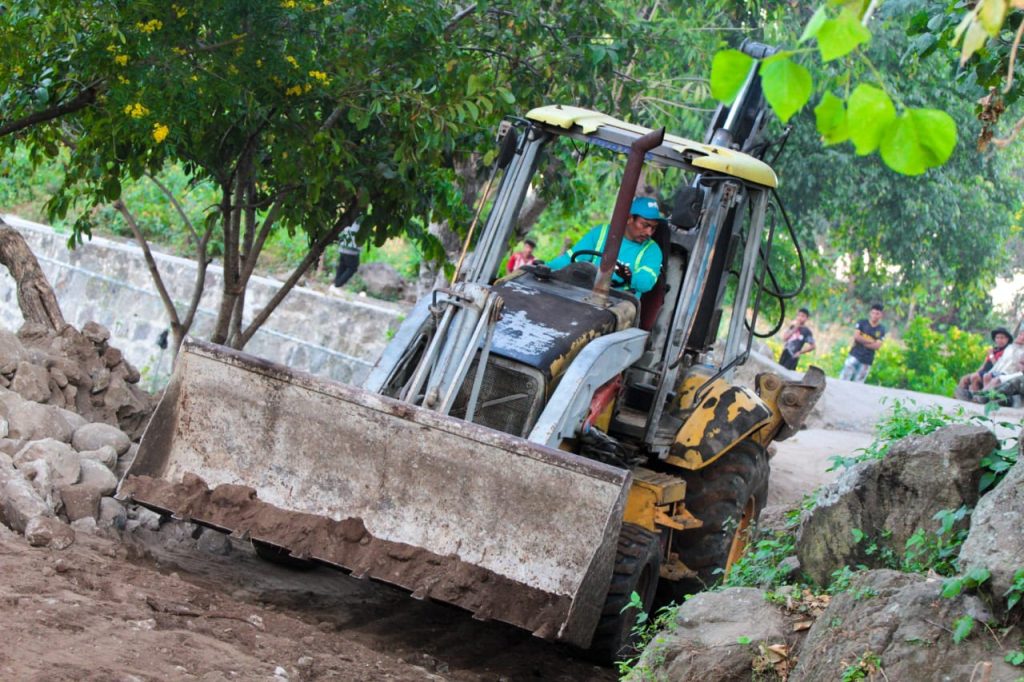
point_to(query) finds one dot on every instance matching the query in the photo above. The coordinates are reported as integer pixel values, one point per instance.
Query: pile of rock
(57, 468)
(77, 370)
(884, 620)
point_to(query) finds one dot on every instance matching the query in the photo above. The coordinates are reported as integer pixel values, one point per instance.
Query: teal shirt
(643, 259)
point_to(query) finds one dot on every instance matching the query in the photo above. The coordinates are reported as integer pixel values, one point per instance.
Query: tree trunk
(35, 295)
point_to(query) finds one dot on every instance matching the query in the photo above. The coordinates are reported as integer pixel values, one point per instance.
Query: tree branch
(458, 18)
(343, 221)
(177, 206)
(80, 101)
(154, 272)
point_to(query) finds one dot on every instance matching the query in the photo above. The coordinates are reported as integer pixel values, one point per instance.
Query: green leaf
(962, 627)
(787, 87)
(743, 639)
(474, 84)
(991, 14)
(840, 36)
(811, 30)
(869, 111)
(729, 70)
(918, 140)
(830, 119)
(858, 534)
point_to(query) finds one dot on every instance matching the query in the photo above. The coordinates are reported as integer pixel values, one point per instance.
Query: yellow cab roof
(679, 150)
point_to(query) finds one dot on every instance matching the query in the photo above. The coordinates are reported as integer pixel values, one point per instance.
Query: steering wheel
(585, 252)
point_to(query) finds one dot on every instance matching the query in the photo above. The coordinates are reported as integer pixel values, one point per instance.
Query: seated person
(1009, 384)
(1008, 361)
(974, 381)
(639, 260)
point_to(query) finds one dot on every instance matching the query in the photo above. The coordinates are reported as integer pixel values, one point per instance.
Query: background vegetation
(411, 149)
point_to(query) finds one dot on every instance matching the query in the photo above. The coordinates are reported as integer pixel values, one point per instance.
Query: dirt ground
(152, 606)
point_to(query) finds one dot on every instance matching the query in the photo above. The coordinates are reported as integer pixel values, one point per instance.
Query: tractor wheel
(277, 555)
(728, 497)
(637, 565)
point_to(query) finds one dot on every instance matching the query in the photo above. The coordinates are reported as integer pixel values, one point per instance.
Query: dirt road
(157, 608)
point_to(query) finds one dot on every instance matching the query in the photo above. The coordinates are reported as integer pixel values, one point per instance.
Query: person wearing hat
(969, 383)
(1008, 363)
(523, 257)
(639, 259)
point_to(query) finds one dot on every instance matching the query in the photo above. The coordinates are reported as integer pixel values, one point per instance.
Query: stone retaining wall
(336, 336)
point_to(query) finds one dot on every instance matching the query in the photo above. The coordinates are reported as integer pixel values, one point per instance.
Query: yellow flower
(179, 11)
(136, 110)
(180, 51)
(288, 4)
(121, 59)
(150, 26)
(259, 63)
(293, 90)
(291, 60)
(307, 87)
(232, 69)
(160, 132)
(320, 76)
(122, 79)
(18, 71)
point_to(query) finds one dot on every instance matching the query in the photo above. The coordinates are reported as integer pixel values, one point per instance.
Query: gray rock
(106, 456)
(22, 503)
(382, 280)
(889, 499)
(31, 382)
(112, 513)
(98, 476)
(995, 540)
(86, 525)
(10, 446)
(11, 351)
(46, 531)
(148, 519)
(40, 475)
(125, 461)
(716, 637)
(214, 542)
(64, 462)
(35, 421)
(95, 332)
(902, 619)
(81, 501)
(95, 436)
(74, 420)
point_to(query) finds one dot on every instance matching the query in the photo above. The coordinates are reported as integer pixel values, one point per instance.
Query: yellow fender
(726, 415)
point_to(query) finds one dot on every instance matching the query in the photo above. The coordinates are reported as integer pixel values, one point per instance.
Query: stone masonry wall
(339, 337)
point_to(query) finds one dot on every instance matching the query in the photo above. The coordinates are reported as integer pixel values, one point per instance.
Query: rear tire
(728, 497)
(637, 566)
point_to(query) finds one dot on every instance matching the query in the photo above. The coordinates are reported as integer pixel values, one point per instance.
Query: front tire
(728, 497)
(637, 567)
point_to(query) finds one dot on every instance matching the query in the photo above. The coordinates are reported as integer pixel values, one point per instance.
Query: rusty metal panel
(511, 530)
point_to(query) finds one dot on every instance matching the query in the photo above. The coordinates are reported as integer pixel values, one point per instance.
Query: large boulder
(717, 636)
(34, 421)
(887, 500)
(31, 382)
(47, 531)
(382, 281)
(996, 538)
(64, 462)
(95, 436)
(900, 623)
(21, 503)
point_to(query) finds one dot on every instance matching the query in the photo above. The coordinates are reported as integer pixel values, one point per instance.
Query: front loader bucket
(506, 528)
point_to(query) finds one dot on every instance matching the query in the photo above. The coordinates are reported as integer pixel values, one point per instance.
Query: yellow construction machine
(534, 448)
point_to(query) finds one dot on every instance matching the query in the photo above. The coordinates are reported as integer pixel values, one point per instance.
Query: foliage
(760, 564)
(928, 360)
(645, 631)
(864, 668)
(937, 550)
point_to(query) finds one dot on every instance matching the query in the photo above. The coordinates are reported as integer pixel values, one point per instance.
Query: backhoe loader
(534, 448)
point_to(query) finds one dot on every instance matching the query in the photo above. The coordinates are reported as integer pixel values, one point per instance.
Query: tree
(304, 115)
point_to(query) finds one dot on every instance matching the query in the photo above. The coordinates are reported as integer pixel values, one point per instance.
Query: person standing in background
(867, 338)
(523, 257)
(797, 340)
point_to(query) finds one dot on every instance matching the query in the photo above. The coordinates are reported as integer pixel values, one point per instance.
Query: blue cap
(646, 207)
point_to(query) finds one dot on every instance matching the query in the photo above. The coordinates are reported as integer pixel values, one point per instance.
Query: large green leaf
(787, 86)
(869, 112)
(729, 70)
(814, 25)
(840, 36)
(830, 119)
(918, 140)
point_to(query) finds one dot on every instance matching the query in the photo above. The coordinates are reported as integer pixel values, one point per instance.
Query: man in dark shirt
(796, 337)
(867, 338)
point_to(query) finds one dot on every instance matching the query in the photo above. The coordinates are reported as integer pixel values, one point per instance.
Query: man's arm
(586, 243)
